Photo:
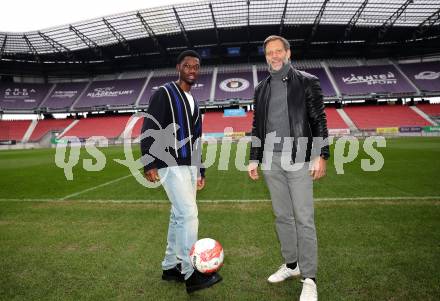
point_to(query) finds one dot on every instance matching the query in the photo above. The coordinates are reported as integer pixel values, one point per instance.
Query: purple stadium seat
(17, 96)
(234, 85)
(111, 92)
(426, 76)
(200, 90)
(154, 83)
(63, 95)
(363, 80)
(326, 85)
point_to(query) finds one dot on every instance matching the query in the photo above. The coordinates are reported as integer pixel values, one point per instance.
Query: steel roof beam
(248, 2)
(426, 24)
(217, 35)
(391, 20)
(87, 41)
(316, 24)
(2, 49)
(121, 39)
(182, 29)
(283, 18)
(352, 23)
(153, 36)
(57, 46)
(32, 49)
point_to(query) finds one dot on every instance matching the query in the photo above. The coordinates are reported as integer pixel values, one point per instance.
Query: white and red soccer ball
(207, 255)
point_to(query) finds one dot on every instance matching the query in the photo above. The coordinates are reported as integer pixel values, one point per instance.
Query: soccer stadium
(77, 224)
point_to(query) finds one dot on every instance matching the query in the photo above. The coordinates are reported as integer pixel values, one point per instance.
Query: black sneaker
(199, 281)
(174, 274)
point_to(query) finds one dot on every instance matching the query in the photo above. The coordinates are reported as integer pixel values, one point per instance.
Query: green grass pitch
(94, 238)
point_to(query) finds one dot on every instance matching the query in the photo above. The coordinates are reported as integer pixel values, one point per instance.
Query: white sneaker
(309, 291)
(284, 273)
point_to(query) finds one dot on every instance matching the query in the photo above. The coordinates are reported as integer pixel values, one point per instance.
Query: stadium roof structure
(152, 37)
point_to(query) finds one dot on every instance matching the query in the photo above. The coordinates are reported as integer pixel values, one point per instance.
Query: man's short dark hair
(186, 53)
(286, 43)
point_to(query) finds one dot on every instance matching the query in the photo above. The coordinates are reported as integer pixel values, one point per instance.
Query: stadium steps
(331, 78)
(334, 120)
(13, 129)
(347, 120)
(46, 126)
(135, 126)
(147, 80)
(423, 114)
(47, 96)
(110, 127)
(30, 130)
(254, 75)
(378, 116)
(80, 95)
(432, 110)
(405, 76)
(68, 128)
(213, 84)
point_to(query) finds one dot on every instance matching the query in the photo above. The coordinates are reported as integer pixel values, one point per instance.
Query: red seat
(46, 125)
(13, 129)
(215, 122)
(371, 117)
(334, 120)
(108, 126)
(430, 109)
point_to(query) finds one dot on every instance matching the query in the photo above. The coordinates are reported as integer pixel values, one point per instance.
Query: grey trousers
(292, 201)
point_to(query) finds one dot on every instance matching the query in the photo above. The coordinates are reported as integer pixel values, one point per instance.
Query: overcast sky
(31, 15)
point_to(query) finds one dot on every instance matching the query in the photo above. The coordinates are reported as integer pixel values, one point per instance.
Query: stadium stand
(105, 77)
(63, 96)
(334, 120)
(155, 82)
(48, 125)
(306, 64)
(371, 117)
(107, 126)
(432, 110)
(111, 93)
(362, 78)
(136, 132)
(135, 74)
(375, 62)
(13, 129)
(235, 84)
(426, 76)
(215, 122)
(22, 96)
(365, 80)
(346, 62)
(326, 86)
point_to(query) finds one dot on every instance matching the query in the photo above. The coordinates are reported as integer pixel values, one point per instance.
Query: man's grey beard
(285, 62)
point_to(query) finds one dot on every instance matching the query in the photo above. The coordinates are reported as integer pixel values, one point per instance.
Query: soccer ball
(206, 255)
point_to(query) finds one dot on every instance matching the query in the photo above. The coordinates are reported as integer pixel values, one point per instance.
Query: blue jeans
(180, 184)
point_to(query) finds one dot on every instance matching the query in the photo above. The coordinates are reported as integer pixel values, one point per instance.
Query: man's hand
(253, 171)
(152, 175)
(319, 167)
(200, 183)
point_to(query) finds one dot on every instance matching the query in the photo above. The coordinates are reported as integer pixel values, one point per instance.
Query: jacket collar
(289, 75)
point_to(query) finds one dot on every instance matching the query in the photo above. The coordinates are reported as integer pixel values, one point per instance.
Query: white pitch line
(93, 188)
(415, 198)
